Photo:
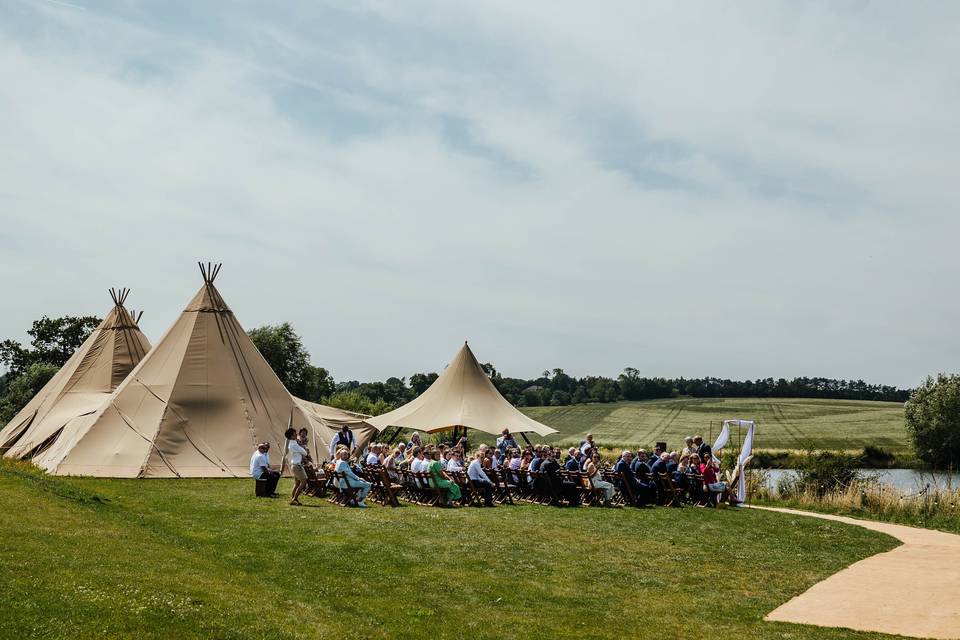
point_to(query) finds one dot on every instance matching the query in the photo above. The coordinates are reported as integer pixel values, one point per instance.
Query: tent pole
(396, 434)
(523, 434)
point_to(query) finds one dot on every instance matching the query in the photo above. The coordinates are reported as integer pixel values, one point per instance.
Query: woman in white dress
(592, 470)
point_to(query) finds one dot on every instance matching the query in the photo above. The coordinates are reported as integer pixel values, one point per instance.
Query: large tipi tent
(194, 407)
(463, 396)
(81, 385)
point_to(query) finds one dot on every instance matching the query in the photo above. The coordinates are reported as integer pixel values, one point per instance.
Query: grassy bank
(787, 424)
(99, 558)
(931, 507)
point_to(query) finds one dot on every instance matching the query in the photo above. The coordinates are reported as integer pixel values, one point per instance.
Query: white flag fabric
(723, 438)
(744, 454)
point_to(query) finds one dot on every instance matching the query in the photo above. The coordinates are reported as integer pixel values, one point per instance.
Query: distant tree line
(53, 340)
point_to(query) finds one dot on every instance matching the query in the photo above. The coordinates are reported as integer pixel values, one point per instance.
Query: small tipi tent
(81, 385)
(196, 406)
(463, 396)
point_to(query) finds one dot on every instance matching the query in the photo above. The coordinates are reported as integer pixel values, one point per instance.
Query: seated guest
(440, 480)
(537, 459)
(454, 461)
(643, 490)
(390, 464)
(351, 479)
(373, 457)
(708, 469)
(660, 465)
(479, 479)
(672, 462)
(401, 451)
(702, 447)
(625, 467)
(505, 441)
(525, 460)
(494, 456)
(559, 487)
(416, 464)
(688, 447)
(260, 469)
(573, 460)
(587, 455)
(641, 458)
(592, 469)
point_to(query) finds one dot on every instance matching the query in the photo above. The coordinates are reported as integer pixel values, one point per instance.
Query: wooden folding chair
(670, 495)
(502, 493)
(343, 494)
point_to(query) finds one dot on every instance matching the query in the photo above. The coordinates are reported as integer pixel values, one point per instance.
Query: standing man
(260, 469)
(702, 447)
(587, 444)
(506, 441)
(345, 438)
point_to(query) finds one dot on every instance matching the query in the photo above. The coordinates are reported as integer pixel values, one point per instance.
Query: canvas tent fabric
(463, 396)
(81, 385)
(195, 406)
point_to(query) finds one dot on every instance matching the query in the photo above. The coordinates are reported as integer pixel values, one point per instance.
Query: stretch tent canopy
(81, 385)
(463, 396)
(195, 406)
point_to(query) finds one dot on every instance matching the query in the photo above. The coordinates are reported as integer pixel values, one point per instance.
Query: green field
(98, 558)
(789, 423)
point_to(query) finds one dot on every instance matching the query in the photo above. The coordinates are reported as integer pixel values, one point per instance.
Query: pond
(902, 479)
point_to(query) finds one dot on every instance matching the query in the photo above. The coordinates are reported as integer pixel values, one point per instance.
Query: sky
(737, 189)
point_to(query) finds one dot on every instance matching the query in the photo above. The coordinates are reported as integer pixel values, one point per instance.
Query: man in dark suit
(660, 464)
(646, 490)
(702, 447)
(550, 469)
(573, 460)
(625, 467)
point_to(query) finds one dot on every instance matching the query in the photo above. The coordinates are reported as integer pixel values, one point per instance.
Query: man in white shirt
(373, 457)
(260, 471)
(344, 438)
(416, 466)
(479, 479)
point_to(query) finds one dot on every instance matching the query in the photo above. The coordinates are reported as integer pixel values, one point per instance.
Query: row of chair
(389, 488)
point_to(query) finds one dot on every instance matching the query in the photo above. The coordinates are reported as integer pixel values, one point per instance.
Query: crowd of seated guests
(636, 476)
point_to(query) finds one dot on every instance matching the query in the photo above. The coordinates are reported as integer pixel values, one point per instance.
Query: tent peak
(209, 271)
(119, 296)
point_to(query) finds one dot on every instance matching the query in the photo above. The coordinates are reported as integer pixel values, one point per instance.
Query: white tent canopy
(463, 396)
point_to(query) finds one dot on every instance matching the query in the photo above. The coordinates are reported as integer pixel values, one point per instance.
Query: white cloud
(686, 190)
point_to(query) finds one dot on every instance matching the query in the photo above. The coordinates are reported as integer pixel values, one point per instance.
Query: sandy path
(913, 590)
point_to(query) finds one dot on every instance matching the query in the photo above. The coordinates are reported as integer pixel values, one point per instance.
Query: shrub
(825, 472)
(933, 420)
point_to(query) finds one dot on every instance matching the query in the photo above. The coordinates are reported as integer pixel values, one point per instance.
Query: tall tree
(283, 349)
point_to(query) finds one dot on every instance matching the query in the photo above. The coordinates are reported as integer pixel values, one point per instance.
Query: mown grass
(94, 558)
(795, 424)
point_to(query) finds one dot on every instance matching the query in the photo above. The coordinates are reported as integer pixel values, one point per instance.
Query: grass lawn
(789, 423)
(97, 558)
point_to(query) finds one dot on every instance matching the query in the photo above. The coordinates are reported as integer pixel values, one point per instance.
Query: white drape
(723, 438)
(744, 454)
